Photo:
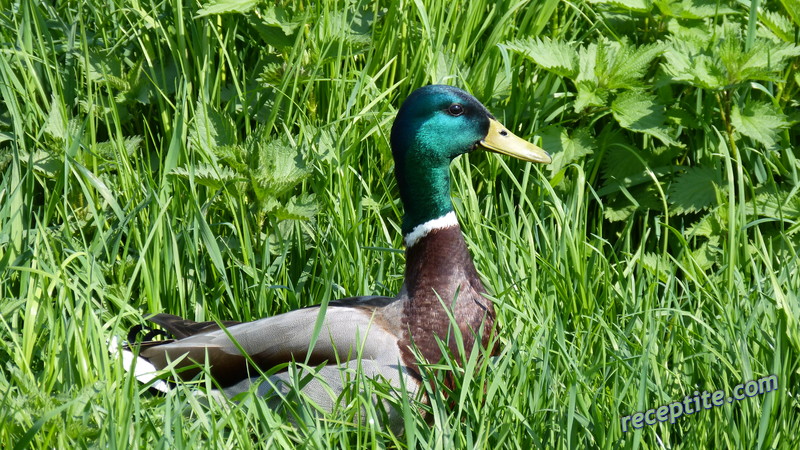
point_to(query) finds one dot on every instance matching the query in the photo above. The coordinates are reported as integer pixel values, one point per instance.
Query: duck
(386, 337)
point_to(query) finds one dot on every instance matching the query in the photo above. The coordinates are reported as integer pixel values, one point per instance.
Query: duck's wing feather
(182, 328)
(360, 326)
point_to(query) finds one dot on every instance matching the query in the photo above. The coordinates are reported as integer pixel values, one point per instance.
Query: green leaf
(793, 9)
(658, 265)
(780, 25)
(278, 167)
(565, 148)
(628, 5)
(276, 26)
(297, 208)
(319, 144)
(558, 57)
(105, 67)
(207, 175)
(765, 60)
(689, 30)
(719, 63)
(234, 156)
(606, 66)
(226, 6)
(686, 62)
(587, 64)
(108, 150)
(622, 65)
(705, 256)
(211, 128)
(589, 95)
(622, 169)
(694, 9)
(618, 209)
(616, 65)
(56, 125)
(100, 186)
(587, 83)
(711, 225)
(679, 116)
(759, 121)
(42, 162)
(638, 111)
(781, 205)
(694, 190)
(619, 163)
(347, 33)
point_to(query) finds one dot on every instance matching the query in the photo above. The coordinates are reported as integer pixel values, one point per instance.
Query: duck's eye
(455, 110)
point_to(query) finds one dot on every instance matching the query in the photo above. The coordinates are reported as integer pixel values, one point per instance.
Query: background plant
(230, 160)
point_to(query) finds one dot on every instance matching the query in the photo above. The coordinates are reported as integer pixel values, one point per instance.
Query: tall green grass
(164, 157)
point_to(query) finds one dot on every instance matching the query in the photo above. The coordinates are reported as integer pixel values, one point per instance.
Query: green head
(435, 124)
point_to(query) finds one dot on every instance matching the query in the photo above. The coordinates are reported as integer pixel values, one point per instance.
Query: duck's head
(435, 124)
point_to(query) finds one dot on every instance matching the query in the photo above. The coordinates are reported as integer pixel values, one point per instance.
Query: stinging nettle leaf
(689, 30)
(279, 166)
(718, 63)
(56, 125)
(108, 149)
(207, 175)
(617, 209)
(589, 91)
(781, 205)
(694, 190)
(793, 9)
(621, 65)
(275, 26)
(565, 148)
(558, 57)
(710, 225)
(587, 64)
(589, 95)
(639, 111)
(694, 9)
(297, 208)
(235, 156)
(780, 25)
(606, 66)
(43, 162)
(211, 128)
(687, 62)
(769, 57)
(628, 5)
(226, 6)
(759, 121)
(705, 256)
(619, 163)
(657, 264)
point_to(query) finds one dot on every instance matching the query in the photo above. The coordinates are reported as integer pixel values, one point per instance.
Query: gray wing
(350, 328)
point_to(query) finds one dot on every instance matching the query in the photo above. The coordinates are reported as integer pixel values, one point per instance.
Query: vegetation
(230, 160)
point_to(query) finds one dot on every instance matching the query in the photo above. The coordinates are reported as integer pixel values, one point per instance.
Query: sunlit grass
(599, 319)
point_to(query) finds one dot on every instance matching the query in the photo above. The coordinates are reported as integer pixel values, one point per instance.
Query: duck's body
(435, 124)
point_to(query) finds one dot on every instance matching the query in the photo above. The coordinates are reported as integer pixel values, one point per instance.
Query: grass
(158, 157)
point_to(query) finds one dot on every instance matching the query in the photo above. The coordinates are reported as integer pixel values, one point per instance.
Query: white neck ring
(420, 231)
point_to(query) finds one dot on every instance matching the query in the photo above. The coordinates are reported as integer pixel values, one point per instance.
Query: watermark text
(697, 402)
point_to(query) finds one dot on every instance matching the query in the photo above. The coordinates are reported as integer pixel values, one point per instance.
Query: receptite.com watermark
(697, 402)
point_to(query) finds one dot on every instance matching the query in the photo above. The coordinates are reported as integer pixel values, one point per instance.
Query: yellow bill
(500, 140)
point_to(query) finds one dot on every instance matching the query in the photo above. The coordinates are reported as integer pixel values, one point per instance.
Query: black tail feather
(174, 328)
(181, 328)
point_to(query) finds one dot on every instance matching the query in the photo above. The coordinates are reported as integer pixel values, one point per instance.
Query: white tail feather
(142, 369)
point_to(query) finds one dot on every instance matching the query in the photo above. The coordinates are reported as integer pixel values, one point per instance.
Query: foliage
(696, 79)
(229, 159)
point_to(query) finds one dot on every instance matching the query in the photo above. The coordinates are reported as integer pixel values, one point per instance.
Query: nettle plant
(263, 171)
(691, 125)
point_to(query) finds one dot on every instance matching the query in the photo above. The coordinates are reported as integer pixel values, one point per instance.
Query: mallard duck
(434, 125)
